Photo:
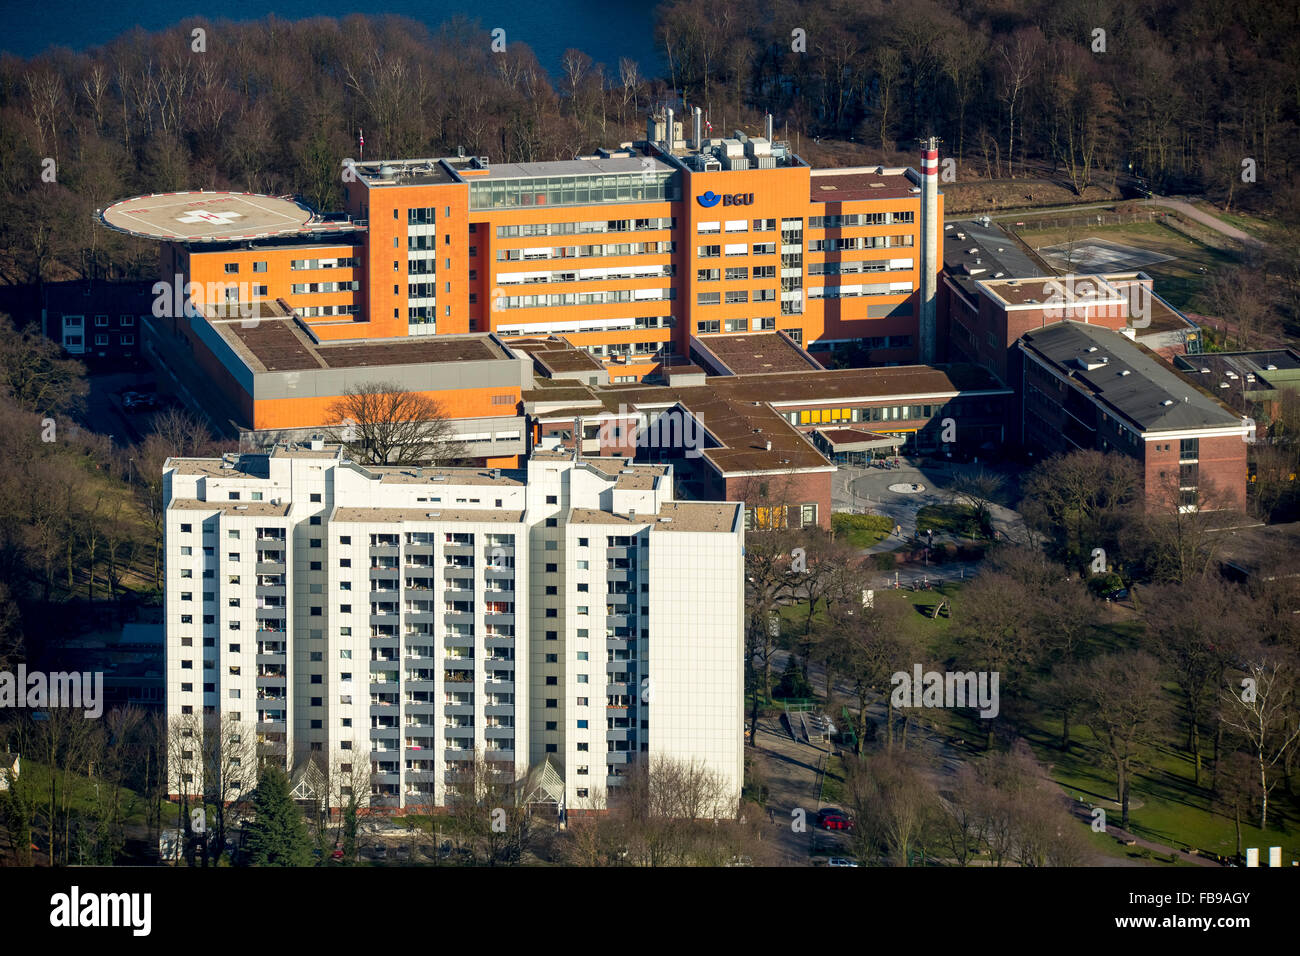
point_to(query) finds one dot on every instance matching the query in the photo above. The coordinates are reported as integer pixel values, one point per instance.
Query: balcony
(263, 660)
(268, 564)
(499, 710)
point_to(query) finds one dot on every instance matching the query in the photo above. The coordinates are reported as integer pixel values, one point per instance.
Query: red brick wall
(1221, 472)
(794, 490)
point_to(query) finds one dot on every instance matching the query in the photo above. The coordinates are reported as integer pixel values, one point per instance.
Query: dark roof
(755, 352)
(994, 251)
(1151, 395)
(833, 187)
(281, 345)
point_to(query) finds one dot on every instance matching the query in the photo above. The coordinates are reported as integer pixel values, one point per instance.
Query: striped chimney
(929, 326)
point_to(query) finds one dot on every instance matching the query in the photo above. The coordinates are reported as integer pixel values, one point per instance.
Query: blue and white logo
(709, 199)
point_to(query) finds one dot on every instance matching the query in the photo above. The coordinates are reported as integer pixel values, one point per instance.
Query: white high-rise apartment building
(414, 621)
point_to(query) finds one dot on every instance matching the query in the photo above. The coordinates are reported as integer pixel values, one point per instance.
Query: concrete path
(867, 491)
(1178, 205)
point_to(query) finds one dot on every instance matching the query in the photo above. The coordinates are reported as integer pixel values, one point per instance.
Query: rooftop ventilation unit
(433, 514)
(1270, 368)
(1125, 372)
(1167, 401)
(665, 520)
(241, 507)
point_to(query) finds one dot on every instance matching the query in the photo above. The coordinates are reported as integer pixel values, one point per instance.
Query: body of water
(604, 31)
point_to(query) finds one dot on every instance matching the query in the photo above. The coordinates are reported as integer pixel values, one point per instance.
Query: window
(232, 268)
(552, 703)
(315, 496)
(582, 701)
(582, 542)
(552, 680)
(552, 499)
(582, 725)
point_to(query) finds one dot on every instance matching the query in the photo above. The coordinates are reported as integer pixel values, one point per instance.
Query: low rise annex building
(421, 622)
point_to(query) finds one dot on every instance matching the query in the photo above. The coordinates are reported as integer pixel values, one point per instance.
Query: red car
(832, 818)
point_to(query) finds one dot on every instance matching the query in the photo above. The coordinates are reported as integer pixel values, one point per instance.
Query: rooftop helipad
(207, 216)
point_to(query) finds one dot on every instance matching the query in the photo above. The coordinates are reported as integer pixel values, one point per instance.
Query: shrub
(886, 561)
(877, 523)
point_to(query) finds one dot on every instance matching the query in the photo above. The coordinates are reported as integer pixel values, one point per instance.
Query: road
(1178, 205)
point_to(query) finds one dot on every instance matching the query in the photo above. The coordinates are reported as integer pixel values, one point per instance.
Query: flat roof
(1150, 395)
(761, 352)
(253, 509)
(1271, 368)
(972, 250)
(405, 172)
(737, 409)
(557, 355)
(697, 516)
(1255, 551)
(281, 345)
(205, 216)
(444, 477)
(573, 167)
(850, 185)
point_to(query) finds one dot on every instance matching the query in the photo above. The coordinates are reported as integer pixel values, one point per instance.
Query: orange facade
(314, 411)
(630, 281)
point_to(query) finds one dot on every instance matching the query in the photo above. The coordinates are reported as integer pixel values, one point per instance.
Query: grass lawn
(1165, 806)
(862, 531)
(1179, 280)
(950, 518)
(82, 796)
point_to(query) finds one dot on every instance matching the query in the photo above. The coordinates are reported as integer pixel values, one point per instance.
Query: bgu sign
(710, 199)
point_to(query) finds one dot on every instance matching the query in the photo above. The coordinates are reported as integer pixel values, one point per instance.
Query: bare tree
(894, 805)
(1125, 708)
(380, 423)
(1263, 709)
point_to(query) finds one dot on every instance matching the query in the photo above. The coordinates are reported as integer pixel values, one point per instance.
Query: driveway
(868, 490)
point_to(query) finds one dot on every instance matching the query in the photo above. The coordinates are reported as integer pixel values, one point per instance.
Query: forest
(1181, 94)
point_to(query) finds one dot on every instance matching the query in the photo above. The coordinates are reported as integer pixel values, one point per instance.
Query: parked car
(833, 818)
(840, 861)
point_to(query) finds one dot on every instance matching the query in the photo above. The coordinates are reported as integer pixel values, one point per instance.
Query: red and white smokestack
(928, 325)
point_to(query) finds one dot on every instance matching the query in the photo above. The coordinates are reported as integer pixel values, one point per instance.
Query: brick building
(1084, 386)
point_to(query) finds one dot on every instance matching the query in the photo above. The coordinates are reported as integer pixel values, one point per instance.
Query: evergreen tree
(350, 832)
(278, 835)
